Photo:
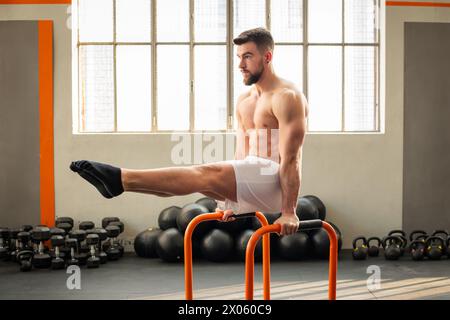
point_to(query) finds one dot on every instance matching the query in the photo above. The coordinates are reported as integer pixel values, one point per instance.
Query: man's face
(251, 62)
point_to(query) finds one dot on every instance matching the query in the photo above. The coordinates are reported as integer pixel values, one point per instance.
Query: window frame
(305, 44)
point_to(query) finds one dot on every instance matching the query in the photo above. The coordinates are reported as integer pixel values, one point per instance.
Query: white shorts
(257, 186)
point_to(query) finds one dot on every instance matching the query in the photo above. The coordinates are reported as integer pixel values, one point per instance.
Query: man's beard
(253, 78)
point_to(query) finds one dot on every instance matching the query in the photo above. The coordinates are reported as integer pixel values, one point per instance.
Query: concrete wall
(19, 124)
(358, 176)
(426, 155)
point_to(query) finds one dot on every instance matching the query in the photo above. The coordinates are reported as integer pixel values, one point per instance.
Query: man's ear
(268, 57)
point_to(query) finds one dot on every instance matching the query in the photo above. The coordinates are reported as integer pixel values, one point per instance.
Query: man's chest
(257, 113)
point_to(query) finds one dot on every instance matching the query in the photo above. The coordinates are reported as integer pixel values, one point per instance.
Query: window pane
(325, 21)
(288, 63)
(173, 87)
(210, 20)
(325, 88)
(95, 20)
(210, 88)
(133, 20)
(359, 88)
(287, 20)
(173, 20)
(360, 21)
(239, 86)
(133, 88)
(248, 14)
(96, 88)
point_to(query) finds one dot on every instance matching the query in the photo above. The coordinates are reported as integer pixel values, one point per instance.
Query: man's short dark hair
(260, 36)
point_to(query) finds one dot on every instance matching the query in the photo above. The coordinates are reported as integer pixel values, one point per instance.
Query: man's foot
(107, 179)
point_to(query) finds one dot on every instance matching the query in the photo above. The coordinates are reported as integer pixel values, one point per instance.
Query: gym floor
(137, 278)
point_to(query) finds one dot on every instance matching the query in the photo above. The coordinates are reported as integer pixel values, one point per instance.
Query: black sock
(107, 179)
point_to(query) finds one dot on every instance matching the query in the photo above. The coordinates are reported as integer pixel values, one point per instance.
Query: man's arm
(290, 111)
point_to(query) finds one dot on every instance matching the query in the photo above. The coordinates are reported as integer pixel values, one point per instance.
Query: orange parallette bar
(266, 230)
(188, 276)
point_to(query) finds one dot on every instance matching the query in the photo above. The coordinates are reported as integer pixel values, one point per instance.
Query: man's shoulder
(288, 89)
(244, 95)
(241, 98)
(289, 99)
(288, 94)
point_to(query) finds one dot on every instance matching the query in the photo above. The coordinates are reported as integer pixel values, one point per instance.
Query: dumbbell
(122, 228)
(79, 235)
(113, 251)
(46, 248)
(107, 244)
(65, 223)
(106, 221)
(24, 238)
(40, 259)
(64, 220)
(63, 253)
(85, 225)
(92, 240)
(27, 227)
(67, 227)
(72, 244)
(58, 232)
(102, 237)
(4, 236)
(13, 244)
(57, 261)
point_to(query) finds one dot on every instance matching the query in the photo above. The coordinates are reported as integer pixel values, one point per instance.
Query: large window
(170, 65)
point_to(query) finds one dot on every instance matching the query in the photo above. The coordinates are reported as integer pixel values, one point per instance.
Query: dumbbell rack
(263, 232)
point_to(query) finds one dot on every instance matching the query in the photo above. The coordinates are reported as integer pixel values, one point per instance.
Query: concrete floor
(137, 278)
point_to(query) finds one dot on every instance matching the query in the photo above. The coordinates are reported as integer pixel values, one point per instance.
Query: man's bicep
(290, 113)
(292, 138)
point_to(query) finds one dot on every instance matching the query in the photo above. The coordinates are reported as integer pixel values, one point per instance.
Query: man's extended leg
(216, 180)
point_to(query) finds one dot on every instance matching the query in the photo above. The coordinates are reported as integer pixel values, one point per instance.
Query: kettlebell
(447, 242)
(359, 252)
(391, 245)
(444, 233)
(417, 249)
(413, 237)
(401, 235)
(422, 237)
(373, 250)
(24, 258)
(395, 232)
(403, 245)
(435, 247)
